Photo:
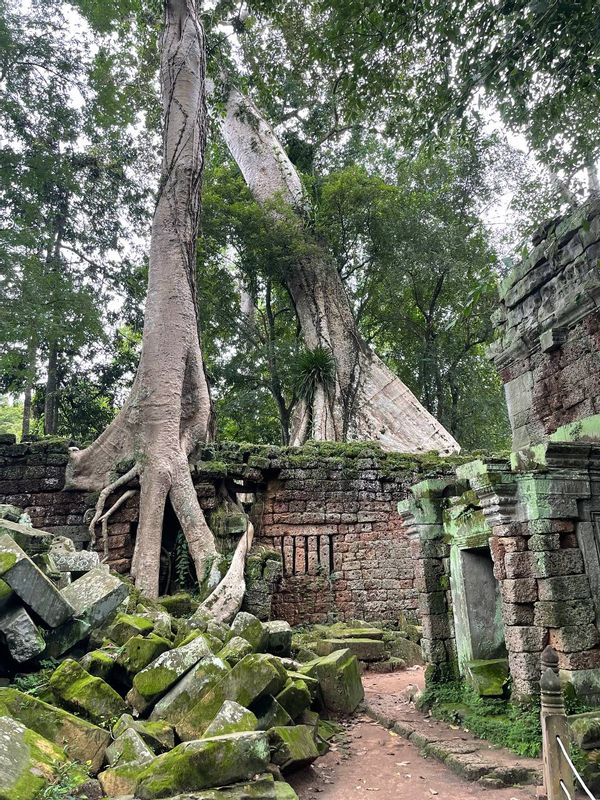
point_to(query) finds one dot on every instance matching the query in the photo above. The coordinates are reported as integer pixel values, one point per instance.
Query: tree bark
(366, 401)
(50, 400)
(169, 409)
(29, 381)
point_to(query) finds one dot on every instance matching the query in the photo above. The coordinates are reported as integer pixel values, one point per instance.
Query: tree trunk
(50, 400)
(29, 381)
(366, 400)
(168, 412)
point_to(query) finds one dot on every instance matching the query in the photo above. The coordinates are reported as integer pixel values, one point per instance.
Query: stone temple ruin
(493, 557)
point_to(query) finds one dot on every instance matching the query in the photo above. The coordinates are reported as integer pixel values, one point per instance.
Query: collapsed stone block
(158, 735)
(129, 748)
(31, 585)
(264, 787)
(124, 626)
(140, 651)
(270, 713)
(60, 640)
(202, 764)
(278, 638)
(249, 628)
(339, 678)
(28, 762)
(23, 639)
(79, 561)
(182, 696)
(585, 730)
(32, 541)
(294, 697)
(120, 781)
(96, 595)
(155, 679)
(231, 718)
(85, 694)
(85, 742)
(363, 649)
(235, 649)
(487, 677)
(99, 663)
(292, 748)
(251, 678)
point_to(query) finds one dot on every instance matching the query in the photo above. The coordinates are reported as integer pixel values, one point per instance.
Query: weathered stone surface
(264, 787)
(179, 605)
(363, 649)
(158, 677)
(124, 626)
(204, 763)
(278, 637)
(294, 697)
(181, 697)
(519, 590)
(60, 640)
(525, 638)
(99, 663)
(10, 512)
(231, 718)
(339, 677)
(558, 613)
(129, 748)
(270, 713)
(564, 587)
(79, 561)
(85, 741)
(585, 730)
(28, 762)
(21, 635)
(120, 781)
(487, 677)
(292, 748)
(85, 694)
(559, 562)
(235, 649)
(158, 735)
(250, 628)
(6, 594)
(32, 541)
(139, 651)
(253, 677)
(569, 639)
(96, 595)
(31, 585)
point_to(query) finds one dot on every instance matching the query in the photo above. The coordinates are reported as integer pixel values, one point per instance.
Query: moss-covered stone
(264, 787)
(139, 651)
(129, 748)
(339, 678)
(363, 649)
(250, 628)
(487, 677)
(292, 748)
(85, 742)
(158, 735)
(184, 694)
(124, 626)
(254, 676)
(157, 678)
(585, 730)
(85, 694)
(278, 635)
(181, 604)
(120, 781)
(28, 761)
(270, 713)
(294, 697)
(5, 594)
(312, 684)
(235, 650)
(99, 662)
(204, 763)
(231, 718)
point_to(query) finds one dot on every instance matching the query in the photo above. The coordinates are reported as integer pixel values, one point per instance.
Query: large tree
(349, 392)
(168, 411)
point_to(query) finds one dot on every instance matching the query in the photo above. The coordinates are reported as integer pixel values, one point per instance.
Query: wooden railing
(560, 774)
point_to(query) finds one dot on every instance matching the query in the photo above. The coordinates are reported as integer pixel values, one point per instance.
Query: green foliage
(11, 416)
(35, 682)
(68, 779)
(313, 369)
(501, 723)
(184, 568)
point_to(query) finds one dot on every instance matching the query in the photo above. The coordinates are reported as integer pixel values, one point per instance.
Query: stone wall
(548, 324)
(329, 511)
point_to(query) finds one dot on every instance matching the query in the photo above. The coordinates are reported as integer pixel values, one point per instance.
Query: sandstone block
(339, 678)
(31, 585)
(363, 649)
(295, 697)
(278, 637)
(231, 718)
(292, 748)
(21, 635)
(235, 649)
(204, 763)
(96, 595)
(249, 627)
(183, 695)
(129, 748)
(158, 735)
(85, 694)
(270, 713)
(79, 561)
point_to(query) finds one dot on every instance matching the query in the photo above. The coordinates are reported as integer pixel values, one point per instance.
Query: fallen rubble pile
(125, 696)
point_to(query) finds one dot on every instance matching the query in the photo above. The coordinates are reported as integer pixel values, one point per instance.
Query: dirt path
(370, 761)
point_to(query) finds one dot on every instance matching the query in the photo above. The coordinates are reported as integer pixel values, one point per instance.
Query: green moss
(499, 721)
(155, 681)
(7, 560)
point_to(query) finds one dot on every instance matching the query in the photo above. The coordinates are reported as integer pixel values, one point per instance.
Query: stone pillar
(423, 518)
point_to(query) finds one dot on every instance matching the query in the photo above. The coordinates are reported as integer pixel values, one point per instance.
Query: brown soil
(369, 761)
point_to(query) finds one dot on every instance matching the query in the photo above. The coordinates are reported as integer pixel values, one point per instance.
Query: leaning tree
(354, 395)
(169, 409)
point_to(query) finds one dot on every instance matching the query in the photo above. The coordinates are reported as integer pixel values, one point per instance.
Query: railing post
(554, 726)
